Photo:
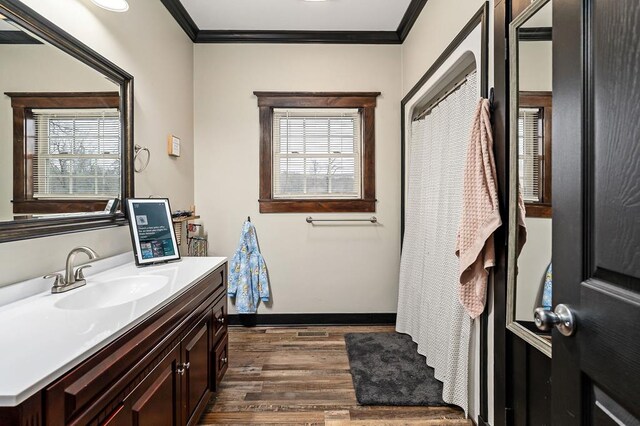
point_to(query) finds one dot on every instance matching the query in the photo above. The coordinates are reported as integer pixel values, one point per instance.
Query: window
(534, 152)
(67, 152)
(317, 152)
(77, 154)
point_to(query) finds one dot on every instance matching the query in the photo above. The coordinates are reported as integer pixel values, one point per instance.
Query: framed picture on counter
(152, 233)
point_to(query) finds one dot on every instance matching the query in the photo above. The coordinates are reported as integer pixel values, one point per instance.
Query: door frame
(514, 358)
(481, 17)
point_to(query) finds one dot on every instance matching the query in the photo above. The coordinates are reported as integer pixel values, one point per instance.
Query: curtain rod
(442, 98)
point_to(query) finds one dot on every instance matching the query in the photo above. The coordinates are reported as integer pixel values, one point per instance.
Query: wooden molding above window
(543, 101)
(365, 102)
(23, 145)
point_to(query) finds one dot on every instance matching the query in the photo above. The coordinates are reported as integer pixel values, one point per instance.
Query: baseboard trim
(252, 320)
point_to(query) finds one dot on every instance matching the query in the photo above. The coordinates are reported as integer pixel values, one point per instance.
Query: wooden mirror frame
(31, 21)
(518, 329)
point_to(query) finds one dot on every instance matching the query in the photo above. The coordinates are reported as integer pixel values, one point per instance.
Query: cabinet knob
(181, 368)
(221, 320)
(224, 360)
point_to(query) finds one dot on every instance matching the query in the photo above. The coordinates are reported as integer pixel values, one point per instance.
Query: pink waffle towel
(480, 215)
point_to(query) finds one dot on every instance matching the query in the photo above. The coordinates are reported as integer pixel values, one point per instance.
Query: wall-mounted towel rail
(372, 219)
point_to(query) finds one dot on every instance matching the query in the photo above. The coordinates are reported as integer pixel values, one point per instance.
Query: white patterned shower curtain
(428, 307)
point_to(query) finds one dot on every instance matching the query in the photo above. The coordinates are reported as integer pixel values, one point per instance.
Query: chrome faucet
(72, 280)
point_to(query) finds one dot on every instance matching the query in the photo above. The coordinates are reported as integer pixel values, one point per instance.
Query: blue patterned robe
(248, 282)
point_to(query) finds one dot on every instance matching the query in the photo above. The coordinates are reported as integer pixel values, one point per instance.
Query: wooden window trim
(542, 100)
(365, 102)
(23, 104)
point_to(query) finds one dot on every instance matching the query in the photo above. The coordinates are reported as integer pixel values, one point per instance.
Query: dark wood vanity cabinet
(162, 372)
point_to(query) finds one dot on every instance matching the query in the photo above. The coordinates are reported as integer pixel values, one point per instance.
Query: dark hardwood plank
(300, 375)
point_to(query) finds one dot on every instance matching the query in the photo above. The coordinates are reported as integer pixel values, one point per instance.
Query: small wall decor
(173, 146)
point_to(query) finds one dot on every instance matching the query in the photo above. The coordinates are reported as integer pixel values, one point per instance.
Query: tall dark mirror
(65, 130)
(530, 270)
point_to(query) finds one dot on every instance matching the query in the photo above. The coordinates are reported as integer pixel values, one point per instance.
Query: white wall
(322, 269)
(36, 68)
(534, 65)
(438, 24)
(148, 43)
(532, 265)
(535, 74)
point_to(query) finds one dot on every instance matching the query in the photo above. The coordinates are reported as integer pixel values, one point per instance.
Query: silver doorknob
(561, 318)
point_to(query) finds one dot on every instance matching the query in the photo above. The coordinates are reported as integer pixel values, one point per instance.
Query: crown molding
(332, 37)
(535, 34)
(410, 17)
(182, 17)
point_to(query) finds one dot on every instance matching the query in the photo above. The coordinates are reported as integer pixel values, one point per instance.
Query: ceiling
(297, 15)
(296, 21)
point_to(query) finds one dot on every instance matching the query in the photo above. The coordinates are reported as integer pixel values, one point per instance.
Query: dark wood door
(596, 212)
(196, 363)
(155, 401)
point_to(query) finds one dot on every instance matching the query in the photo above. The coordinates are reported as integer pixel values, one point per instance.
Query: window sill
(317, 206)
(538, 210)
(57, 206)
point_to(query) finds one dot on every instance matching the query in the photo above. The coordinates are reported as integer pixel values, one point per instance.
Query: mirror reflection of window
(77, 154)
(530, 153)
(534, 152)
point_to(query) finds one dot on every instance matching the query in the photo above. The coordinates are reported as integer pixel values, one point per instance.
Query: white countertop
(40, 342)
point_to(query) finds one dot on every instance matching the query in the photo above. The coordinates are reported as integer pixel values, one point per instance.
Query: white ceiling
(329, 15)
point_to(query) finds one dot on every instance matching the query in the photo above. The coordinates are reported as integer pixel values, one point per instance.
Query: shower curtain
(428, 307)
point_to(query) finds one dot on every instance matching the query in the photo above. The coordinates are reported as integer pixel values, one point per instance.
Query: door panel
(155, 401)
(596, 240)
(196, 357)
(609, 343)
(616, 131)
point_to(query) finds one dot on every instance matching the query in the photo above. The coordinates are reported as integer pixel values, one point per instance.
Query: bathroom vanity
(143, 346)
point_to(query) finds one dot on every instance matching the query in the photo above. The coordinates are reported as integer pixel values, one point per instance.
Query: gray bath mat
(387, 370)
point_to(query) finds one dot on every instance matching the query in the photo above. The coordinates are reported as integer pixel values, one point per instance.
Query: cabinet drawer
(221, 359)
(218, 281)
(219, 320)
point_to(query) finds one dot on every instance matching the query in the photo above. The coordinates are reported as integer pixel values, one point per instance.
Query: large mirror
(530, 276)
(65, 130)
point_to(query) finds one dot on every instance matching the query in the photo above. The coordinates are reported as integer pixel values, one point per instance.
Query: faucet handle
(59, 279)
(79, 274)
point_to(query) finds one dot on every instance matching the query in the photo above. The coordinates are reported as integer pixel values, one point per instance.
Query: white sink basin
(114, 292)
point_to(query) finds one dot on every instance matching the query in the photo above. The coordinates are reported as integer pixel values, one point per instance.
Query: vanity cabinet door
(155, 401)
(196, 364)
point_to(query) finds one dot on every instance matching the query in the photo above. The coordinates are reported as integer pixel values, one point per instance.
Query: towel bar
(372, 219)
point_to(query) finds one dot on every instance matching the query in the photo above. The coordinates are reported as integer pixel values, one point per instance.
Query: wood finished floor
(300, 375)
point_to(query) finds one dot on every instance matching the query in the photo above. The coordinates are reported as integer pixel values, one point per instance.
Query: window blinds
(316, 153)
(530, 147)
(77, 153)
